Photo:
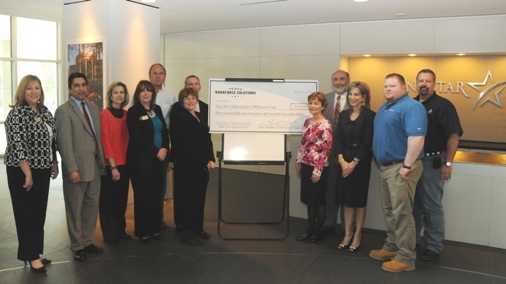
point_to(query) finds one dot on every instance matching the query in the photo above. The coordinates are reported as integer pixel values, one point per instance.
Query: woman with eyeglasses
(147, 150)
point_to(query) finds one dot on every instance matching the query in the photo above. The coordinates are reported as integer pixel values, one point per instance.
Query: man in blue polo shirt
(399, 133)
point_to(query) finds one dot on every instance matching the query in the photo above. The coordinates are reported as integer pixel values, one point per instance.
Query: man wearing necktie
(82, 156)
(336, 103)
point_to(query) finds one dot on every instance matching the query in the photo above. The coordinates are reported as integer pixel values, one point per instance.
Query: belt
(391, 163)
(352, 145)
(437, 153)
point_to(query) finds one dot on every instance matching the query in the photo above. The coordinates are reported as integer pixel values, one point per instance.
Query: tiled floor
(225, 261)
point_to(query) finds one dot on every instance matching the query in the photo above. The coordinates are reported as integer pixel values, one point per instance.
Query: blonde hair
(109, 94)
(19, 99)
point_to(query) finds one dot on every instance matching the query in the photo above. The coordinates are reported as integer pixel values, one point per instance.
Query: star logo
(496, 101)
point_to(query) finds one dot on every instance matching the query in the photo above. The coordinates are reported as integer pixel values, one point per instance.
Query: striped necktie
(337, 110)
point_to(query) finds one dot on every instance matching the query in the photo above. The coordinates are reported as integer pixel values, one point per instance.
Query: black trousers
(113, 203)
(29, 210)
(190, 187)
(147, 185)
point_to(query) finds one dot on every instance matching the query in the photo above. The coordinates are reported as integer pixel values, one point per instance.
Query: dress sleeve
(16, 128)
(324, 140)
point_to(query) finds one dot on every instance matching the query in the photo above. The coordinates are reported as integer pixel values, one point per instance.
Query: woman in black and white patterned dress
(30, 158)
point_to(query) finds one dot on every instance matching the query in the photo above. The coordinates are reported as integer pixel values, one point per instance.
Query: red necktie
(337, 110)
(83, 106)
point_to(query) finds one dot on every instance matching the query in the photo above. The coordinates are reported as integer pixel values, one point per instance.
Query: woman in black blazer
(193, 158)
(147, 149)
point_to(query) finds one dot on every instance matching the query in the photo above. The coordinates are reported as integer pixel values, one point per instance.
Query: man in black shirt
(443, 133)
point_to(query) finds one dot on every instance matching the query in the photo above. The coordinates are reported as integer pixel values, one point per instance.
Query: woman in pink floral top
(311, 166)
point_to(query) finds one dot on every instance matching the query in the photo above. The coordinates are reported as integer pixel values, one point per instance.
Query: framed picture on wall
(88, 58)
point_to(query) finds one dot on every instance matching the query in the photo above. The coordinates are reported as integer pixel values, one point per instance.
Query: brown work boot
(381, 254)
(396, 266)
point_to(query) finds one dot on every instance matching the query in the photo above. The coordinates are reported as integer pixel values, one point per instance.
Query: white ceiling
(201, 15)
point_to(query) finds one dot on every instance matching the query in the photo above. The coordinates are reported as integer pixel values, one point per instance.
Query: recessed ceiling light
(360, 0)
(148, 1)
(400, 15)
(412, 54)
(367, 55)
(461, 54)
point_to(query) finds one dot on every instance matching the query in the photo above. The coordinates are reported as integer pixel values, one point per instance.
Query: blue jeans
(428, 208)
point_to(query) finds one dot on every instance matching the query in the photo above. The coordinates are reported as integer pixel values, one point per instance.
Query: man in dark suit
(82, 156)
(336, 103)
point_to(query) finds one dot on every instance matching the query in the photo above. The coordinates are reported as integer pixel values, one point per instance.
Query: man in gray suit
(336, 103)
(82, 156)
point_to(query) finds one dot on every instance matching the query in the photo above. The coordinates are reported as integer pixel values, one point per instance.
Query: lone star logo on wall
(495, 101)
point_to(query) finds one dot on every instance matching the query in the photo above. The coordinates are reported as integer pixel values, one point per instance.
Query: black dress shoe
(428, 255)
(314, 238)
(112, 242)
(191, 241)
(157, 237)
(125, 236)
(303, 237)
(93, 249)
(46, 261)
(80, 255)
(204, 235)
(146, 240)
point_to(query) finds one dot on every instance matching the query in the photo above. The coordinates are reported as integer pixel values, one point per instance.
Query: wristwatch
(448, 164)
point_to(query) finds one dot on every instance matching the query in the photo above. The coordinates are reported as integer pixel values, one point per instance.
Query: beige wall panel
(302, 68)
(178, 46)
(473, 34)
(301, 40)
(467, 205)
(392, 37)
(177, 70)
(230, 43)
(497, 212)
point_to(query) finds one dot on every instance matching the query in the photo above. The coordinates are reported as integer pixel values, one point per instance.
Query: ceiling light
(412, 54)
(148, 1)
(367, 55)
(360, 0)
(460, 54)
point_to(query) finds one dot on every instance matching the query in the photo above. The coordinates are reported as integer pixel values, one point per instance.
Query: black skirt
(312, 193)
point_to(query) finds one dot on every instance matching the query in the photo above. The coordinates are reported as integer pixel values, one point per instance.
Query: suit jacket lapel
(79, 113)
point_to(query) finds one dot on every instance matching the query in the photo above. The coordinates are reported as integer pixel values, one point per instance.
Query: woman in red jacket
(114, 186)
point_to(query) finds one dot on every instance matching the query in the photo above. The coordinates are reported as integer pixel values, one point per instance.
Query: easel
(285, 205)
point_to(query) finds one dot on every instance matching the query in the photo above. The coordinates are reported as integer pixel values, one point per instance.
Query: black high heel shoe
(41, 269)
(355, 249)
(345, 246)
(46, 261)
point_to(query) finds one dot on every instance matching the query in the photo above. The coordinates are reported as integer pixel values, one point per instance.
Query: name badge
(37, 119)
(144, 117)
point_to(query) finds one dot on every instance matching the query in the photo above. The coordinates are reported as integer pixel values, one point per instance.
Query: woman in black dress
(353, 144)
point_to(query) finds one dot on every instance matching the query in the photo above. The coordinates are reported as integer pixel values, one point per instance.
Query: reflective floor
(246, 197)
